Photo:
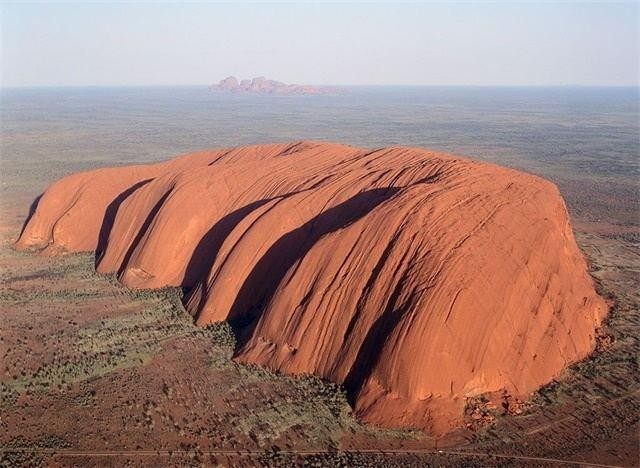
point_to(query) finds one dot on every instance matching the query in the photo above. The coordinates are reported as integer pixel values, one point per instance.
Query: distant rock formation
(417, 279)
(261, 85)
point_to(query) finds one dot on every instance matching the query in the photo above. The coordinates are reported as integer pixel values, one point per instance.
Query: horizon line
(389, 85)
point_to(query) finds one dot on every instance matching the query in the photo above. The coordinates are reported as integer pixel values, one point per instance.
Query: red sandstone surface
(417, 279)
(262, 85)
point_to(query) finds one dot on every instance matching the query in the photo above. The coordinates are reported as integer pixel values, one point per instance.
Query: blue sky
(480, 43)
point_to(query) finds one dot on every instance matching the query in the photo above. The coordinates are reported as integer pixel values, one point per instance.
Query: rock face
(261, 85)
(417, 279)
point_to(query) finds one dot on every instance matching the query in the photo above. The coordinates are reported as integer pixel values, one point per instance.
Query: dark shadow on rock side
(369, 351)
(110, 217)
(32, 211)
(269, 271)
(207, 249)
(143, 230)
(205, 253)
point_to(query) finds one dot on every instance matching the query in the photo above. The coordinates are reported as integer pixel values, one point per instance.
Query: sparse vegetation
(134, 332)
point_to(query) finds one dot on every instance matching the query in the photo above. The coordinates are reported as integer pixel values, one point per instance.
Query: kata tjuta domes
(262, 85)
(417, 279)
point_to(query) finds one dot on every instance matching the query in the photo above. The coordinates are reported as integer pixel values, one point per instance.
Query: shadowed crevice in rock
(32, 210)
(373, 278)
(372, 345)
(110, 217)
(263, 281)
(207, 249)
(142, 231)
(205, 253)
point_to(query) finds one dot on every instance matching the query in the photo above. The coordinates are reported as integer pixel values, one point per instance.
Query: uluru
(416, 279)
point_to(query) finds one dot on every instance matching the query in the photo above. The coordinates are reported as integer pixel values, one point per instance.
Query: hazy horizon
(390, 85)
(457, 44)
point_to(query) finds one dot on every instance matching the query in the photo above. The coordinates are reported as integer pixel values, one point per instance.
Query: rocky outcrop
(417, 279)
(261, 85)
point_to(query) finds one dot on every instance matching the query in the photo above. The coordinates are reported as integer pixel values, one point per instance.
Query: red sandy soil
(417, 279)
